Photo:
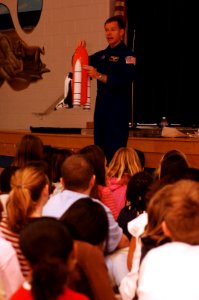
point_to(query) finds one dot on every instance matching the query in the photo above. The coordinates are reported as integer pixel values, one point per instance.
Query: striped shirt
(13, 238)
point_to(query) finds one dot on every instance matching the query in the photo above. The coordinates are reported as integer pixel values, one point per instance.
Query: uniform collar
(115, 49)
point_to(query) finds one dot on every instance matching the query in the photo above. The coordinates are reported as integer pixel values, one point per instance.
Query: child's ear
(92, 181)
(46, 189)
(165, 229)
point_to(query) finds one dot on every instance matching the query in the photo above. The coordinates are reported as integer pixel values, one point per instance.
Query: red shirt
(25, 294)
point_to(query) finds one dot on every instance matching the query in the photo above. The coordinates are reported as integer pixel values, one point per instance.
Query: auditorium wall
(62, 23)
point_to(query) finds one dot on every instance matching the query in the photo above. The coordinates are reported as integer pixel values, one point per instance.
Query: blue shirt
(58, 204)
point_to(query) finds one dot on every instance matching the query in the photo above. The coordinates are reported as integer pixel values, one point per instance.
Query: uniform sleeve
(94, 59)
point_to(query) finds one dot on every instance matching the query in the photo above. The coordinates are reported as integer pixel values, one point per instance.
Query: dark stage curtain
(164, 35)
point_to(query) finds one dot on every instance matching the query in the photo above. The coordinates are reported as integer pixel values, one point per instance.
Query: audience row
(73, 227)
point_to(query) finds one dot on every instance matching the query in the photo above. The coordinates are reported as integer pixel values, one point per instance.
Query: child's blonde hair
(125, 160)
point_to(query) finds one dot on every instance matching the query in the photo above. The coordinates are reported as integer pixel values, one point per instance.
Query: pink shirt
(106, 196)
(118, 189)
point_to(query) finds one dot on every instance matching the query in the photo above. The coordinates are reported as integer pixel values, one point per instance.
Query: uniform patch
(130, 60)
(114, 58)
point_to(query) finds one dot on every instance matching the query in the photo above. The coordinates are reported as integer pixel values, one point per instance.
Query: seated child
(48, 246)
(170, 271)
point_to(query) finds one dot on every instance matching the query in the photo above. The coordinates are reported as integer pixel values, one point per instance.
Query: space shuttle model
(77, 83)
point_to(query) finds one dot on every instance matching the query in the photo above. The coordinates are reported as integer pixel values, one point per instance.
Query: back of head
(95, 155)
(47, 244)
(58, 157)
(174, 152)
(137, 188)
(76, 173)
(173, 163)
(153, 234)
(156, 212)
(159, 183)
(155, 206)
(26, 187)
(87, 221)
(30, 148)
(125, 160)
(43, 166)
(181, 202)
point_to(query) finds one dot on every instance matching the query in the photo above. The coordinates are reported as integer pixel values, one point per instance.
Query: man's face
(114, 34)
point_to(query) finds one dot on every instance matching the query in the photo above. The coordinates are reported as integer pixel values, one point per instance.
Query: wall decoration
(29, 13)
(20, 63)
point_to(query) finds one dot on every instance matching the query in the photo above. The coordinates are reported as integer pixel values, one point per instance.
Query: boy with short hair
(171, 271)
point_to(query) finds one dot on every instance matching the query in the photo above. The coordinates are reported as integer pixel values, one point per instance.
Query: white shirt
(170, 271)
(128, 284)
(10, 273)
(137, 225)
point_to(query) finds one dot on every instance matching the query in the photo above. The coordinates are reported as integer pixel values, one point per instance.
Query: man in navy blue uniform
(114, 69)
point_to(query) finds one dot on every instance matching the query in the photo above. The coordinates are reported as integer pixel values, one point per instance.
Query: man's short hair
(76, 172)
(118, 19)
